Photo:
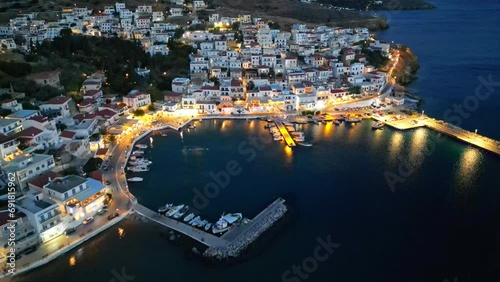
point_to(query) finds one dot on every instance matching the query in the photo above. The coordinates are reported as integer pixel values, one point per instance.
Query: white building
(26, 167)
(136, 99)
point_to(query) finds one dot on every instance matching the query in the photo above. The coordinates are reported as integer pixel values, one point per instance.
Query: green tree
(139, 113)
(152, 108)
(92, 164)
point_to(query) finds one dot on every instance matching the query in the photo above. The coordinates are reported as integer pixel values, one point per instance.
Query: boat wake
(193, 149)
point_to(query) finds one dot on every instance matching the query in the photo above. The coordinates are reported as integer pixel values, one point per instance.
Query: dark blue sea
(398, 206)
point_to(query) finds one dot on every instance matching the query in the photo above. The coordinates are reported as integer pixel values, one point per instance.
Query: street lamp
(475, 131)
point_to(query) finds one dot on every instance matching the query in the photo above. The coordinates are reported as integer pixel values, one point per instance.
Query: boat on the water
(337, 122)
(141, 146)
(142, 162)
(191, 126)
(352, 119)
(135, 179)
(378, 125)
(298, 138)
(138, 168)
(202, 223)
(195, 221)
(301, 122)
(207, 226)
(278, 138)
(189, 217)
(225, 222)
(164, 208)
(290, 128)
(181, 212)
(138, 152)
(174, 210)
(305, 144)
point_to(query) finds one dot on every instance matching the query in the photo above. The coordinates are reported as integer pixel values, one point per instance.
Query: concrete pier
(199, 235)
(445, 128)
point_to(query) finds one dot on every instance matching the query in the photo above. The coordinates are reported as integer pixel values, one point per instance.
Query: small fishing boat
(378, 125)
(138, 152)
(207, 226)
(191, 126)
(189, 217)
(141, 146)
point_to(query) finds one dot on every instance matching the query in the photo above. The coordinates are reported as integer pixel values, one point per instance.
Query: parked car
(70, 231)
(110, 217)
(102, 211)
(88, 220)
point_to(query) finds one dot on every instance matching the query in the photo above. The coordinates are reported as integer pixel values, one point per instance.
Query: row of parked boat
(137, 161)
(223, 224)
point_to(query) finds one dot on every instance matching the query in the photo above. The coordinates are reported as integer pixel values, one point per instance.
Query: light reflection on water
(418, 141)
(394, 147)
(467, 170)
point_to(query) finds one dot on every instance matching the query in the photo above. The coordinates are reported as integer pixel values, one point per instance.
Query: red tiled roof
(235, 83)
(97, 175)
(29, 132)
(265, 88)
(8, 101)
(5, 217)
(40, 119)
(86, 102)
(105, 113)
(43, 179)
(59, 100)
(92, 92)
(67, 134)
(101, 151)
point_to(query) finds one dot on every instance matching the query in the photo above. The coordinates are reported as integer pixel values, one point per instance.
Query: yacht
(138, 152)
(164, 208)
(290, 128)
(138, 168)
(181, 212)
(207, 226)
(225, 222)
(174, 210)
(378, 125)
(142, 162)
(297, 134)
(141, 146)
(189, 217)
(135, 179)
(195, 221)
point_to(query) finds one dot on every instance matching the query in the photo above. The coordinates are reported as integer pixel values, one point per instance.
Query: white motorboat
(225, 222)
(189, 217)
(378, 125)
(142, 162)
(297, 134)
(202, 223)
(138, 168)
(298, 138)
(195, 221)
(135, 179)
(278, 138)
(138, 152)
(181, 212)
(164, 208)
(141, 146)
(192, 126)
(207, 226)
(290, 128)
(174, 210)
(305, 144)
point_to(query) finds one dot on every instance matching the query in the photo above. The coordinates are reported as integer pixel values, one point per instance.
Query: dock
(451, 130)
(284, 132)
(233, 241)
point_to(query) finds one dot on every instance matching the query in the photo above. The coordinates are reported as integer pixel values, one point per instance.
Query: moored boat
(337, 122)
(138, 168)
(305, 144)
(225, 222)
(189, 217)
(207, 226)
(202, 223)
(174, 210)
(135, 179)
(141, 146)
(164, 208)
(181, 212)
(194, 221)
(378, 125)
